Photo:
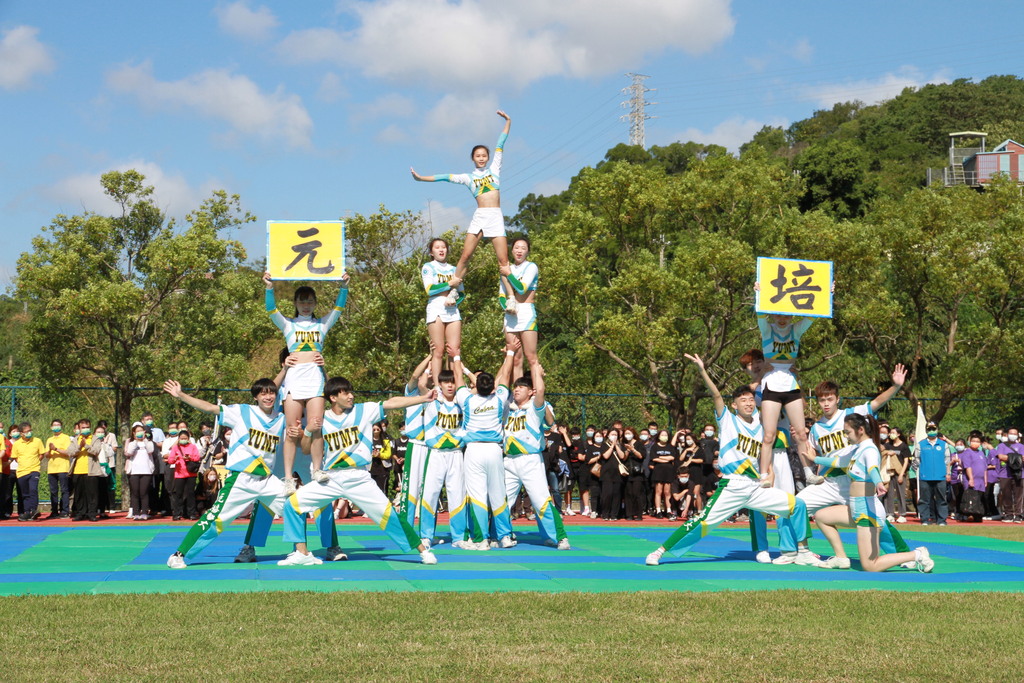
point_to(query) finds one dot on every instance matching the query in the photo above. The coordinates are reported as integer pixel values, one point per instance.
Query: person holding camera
(184, 457)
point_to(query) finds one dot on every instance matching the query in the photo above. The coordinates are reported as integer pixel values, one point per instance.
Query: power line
(636, 104)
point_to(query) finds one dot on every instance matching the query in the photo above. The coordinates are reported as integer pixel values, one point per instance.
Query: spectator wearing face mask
(932, 464)
(185, 457)
(994, 471)
(635, 496)
(574, 452)
(897, 493)
(709, 453)
(613, 480)
(957, 479)
(593, 465)
(58, 468)
(1010, 455)
(692, 456)
(139, 467)
(975, 464)
(664, 459)
(6, 477)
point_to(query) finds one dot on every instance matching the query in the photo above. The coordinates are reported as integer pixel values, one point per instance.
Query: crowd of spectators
(613, 473)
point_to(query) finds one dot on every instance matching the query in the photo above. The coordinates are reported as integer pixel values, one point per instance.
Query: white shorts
(488, 220)
(436, 309)
(305, 380)
(523, 320)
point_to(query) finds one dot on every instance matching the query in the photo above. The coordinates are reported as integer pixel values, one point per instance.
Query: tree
(835, 172)
(126, 301)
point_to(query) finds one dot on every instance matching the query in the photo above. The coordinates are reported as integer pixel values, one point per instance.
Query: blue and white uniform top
(523, 278)
(255, 437)
(305, 333)
(524, 428)
(481, 180)
(482, 416)
(435, 276)
(739, 444)
(348, 438)
(442, 422)
(866, 463)
(414, 429)
(781, 346)
(828, 438)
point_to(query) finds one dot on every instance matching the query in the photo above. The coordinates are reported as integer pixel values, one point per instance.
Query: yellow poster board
(305, 250)
(794, 287)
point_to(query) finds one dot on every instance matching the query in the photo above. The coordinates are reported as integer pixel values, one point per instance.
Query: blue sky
(317, 110)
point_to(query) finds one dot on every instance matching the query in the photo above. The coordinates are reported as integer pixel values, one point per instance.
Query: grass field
(771, 635)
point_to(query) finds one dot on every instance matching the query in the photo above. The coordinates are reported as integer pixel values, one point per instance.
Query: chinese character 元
(308, 250)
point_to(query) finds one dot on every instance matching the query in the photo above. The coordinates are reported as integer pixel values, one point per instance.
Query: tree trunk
(123, 409)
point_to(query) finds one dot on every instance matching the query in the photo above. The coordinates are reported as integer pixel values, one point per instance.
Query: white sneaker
(289, 486)
(806, 558)
(813, 479)
(464, 545)
(483, 545)
(296, 559)
(909, 565)
(491, 543)
(786, 558)
(654, 558)
(569, 513)
(176, 561)
(901, 520)
(246, 554)
(564, 544)
(321, 477)
(763, 557)
(425, 542)
(585, 512)
(890, 519)
(335, 554)
(834, 563)
(427, 557)
(593, 515)
(924, 562)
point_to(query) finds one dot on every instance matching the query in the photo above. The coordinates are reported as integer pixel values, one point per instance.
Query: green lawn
(669, 636)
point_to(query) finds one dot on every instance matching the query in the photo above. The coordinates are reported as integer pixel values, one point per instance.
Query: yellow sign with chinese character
(305, 250)
(794, 287)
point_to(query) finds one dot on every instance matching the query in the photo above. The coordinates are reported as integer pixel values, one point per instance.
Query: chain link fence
(40, 406)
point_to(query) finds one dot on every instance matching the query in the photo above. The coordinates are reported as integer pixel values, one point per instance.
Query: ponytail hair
(868, 423)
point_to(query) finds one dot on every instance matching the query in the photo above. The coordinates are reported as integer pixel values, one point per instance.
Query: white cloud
(172, 192)
(220, 94)
(22, 57)
(466, 120)
(331, 88)
(438, 218)
(475, 42)
(730, 133)
(802, 51)
(238, 20)
(872, 91)
(392, 134)
(391, 106)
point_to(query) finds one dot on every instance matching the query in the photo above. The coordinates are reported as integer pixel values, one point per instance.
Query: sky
(317, 110)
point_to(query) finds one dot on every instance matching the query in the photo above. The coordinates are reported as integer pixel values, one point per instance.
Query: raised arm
(504, 376)
(174, 389)
(418, 378)
(716, 395)
(899, 375)
(339, 304)
(271, 303)
(537, 375)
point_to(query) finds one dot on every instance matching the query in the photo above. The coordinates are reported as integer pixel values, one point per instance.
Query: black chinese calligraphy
(799, 290)
(308, 250)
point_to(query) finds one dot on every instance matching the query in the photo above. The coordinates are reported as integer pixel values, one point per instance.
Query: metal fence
(40, 406)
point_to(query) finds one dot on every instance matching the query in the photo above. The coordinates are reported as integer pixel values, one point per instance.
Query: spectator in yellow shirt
(58, 460)
(28, 452)
(86, 473)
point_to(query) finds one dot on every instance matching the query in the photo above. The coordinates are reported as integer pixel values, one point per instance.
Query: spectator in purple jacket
(1011, 493)
(992, 475)
(975, 463)
(957, 478)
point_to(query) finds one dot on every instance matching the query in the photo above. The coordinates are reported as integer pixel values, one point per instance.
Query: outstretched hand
(415, 175)
(173, 388)
(899, 374)
(696, 359)
(503, 115)
(267, 282)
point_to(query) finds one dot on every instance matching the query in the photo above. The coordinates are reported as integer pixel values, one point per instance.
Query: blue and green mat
(130, 559)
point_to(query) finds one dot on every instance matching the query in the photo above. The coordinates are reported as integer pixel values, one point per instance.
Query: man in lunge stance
(740, 438)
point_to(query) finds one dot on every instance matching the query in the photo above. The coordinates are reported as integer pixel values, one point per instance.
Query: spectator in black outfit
(635, 489)
(574, 452)
(664, 459)
(592, 464)
(708, 479)
(613, 458)
(648, 439)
